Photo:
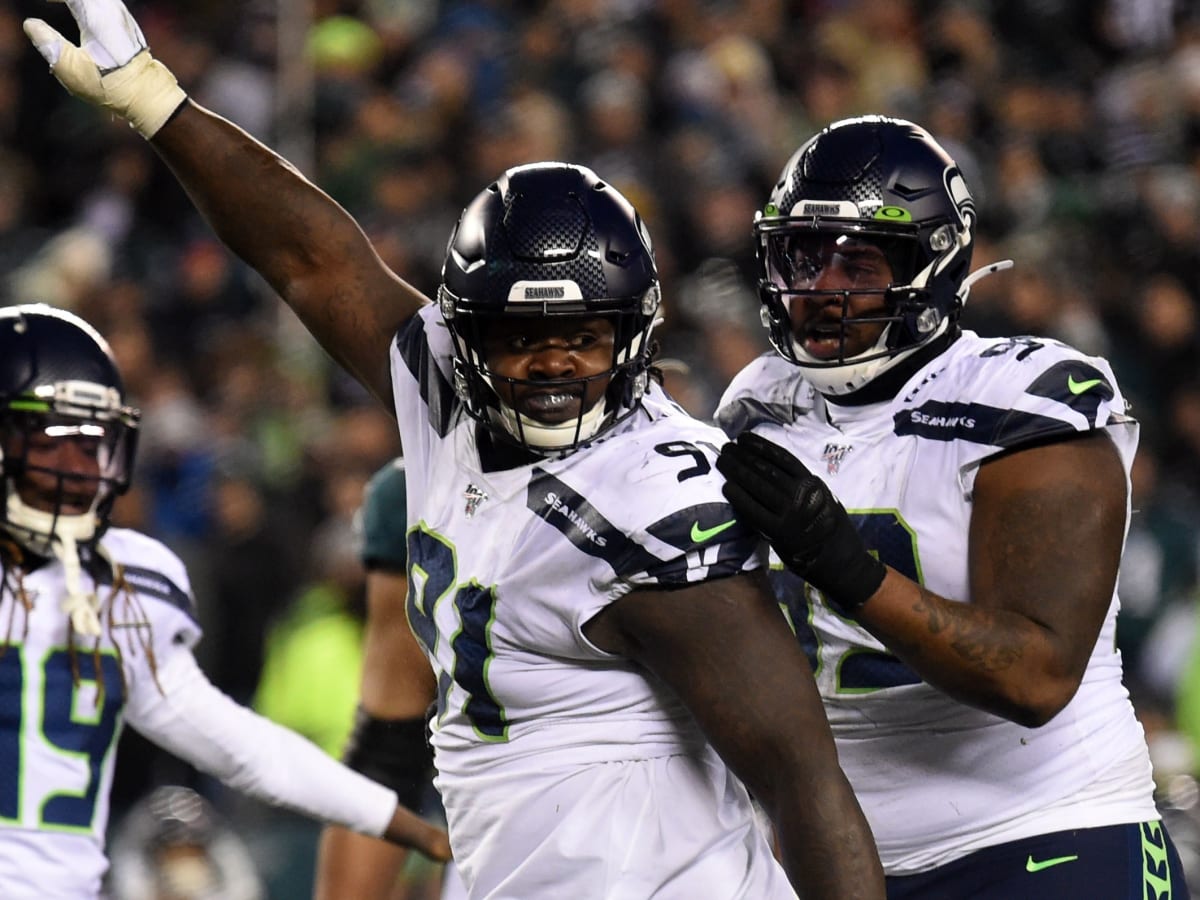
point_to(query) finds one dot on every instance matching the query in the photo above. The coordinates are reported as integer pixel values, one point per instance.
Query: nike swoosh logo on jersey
(700, 535)
(1036, 866)
(1078, 387)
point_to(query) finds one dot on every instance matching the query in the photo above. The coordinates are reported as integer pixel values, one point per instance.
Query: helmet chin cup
(543, 437)
(855, 372)
(39, 531)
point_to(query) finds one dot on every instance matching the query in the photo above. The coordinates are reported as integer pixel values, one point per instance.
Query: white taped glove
(112, 67)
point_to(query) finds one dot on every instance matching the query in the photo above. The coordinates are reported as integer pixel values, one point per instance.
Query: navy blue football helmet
(58, 381)
(887, 182)
(547, 240)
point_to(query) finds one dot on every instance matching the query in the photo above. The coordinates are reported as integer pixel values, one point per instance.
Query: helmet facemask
(608, 396)
(907, 307)
(550, 244)
(44, 504)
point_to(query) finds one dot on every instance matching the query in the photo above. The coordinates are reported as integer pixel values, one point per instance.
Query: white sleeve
(197, 722)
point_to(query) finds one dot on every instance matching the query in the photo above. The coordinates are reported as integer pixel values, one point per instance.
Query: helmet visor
(808, 258)
(63, 464)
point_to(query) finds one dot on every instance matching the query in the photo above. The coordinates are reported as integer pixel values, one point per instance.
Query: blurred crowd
(1076, 122)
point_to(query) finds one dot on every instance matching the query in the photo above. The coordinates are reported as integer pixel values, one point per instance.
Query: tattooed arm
(1045, 544)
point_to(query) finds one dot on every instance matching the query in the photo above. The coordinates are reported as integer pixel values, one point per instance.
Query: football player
(99, 625)
(612, 672)
(947, 512)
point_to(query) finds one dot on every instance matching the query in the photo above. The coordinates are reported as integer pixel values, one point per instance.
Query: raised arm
(724, 647)
(304, 244)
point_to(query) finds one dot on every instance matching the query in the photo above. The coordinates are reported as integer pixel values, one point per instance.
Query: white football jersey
(938, 779)
(565, 771)
(61, 712)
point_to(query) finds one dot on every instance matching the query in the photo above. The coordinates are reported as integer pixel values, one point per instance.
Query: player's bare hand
(409, 830)
(111, 67)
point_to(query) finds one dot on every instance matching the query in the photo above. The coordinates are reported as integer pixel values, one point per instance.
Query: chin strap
(59, 536)
(82, 607)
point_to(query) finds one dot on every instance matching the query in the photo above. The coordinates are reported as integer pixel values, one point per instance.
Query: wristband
(393, 752)
(856, 585)
(145, 92)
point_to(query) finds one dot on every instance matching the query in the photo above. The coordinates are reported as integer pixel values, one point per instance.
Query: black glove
(774, 493)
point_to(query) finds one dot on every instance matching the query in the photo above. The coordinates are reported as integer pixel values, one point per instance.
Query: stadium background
(1077, 123)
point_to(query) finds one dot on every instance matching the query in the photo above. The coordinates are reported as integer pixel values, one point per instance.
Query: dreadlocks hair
(12, 558)
(130, 634)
